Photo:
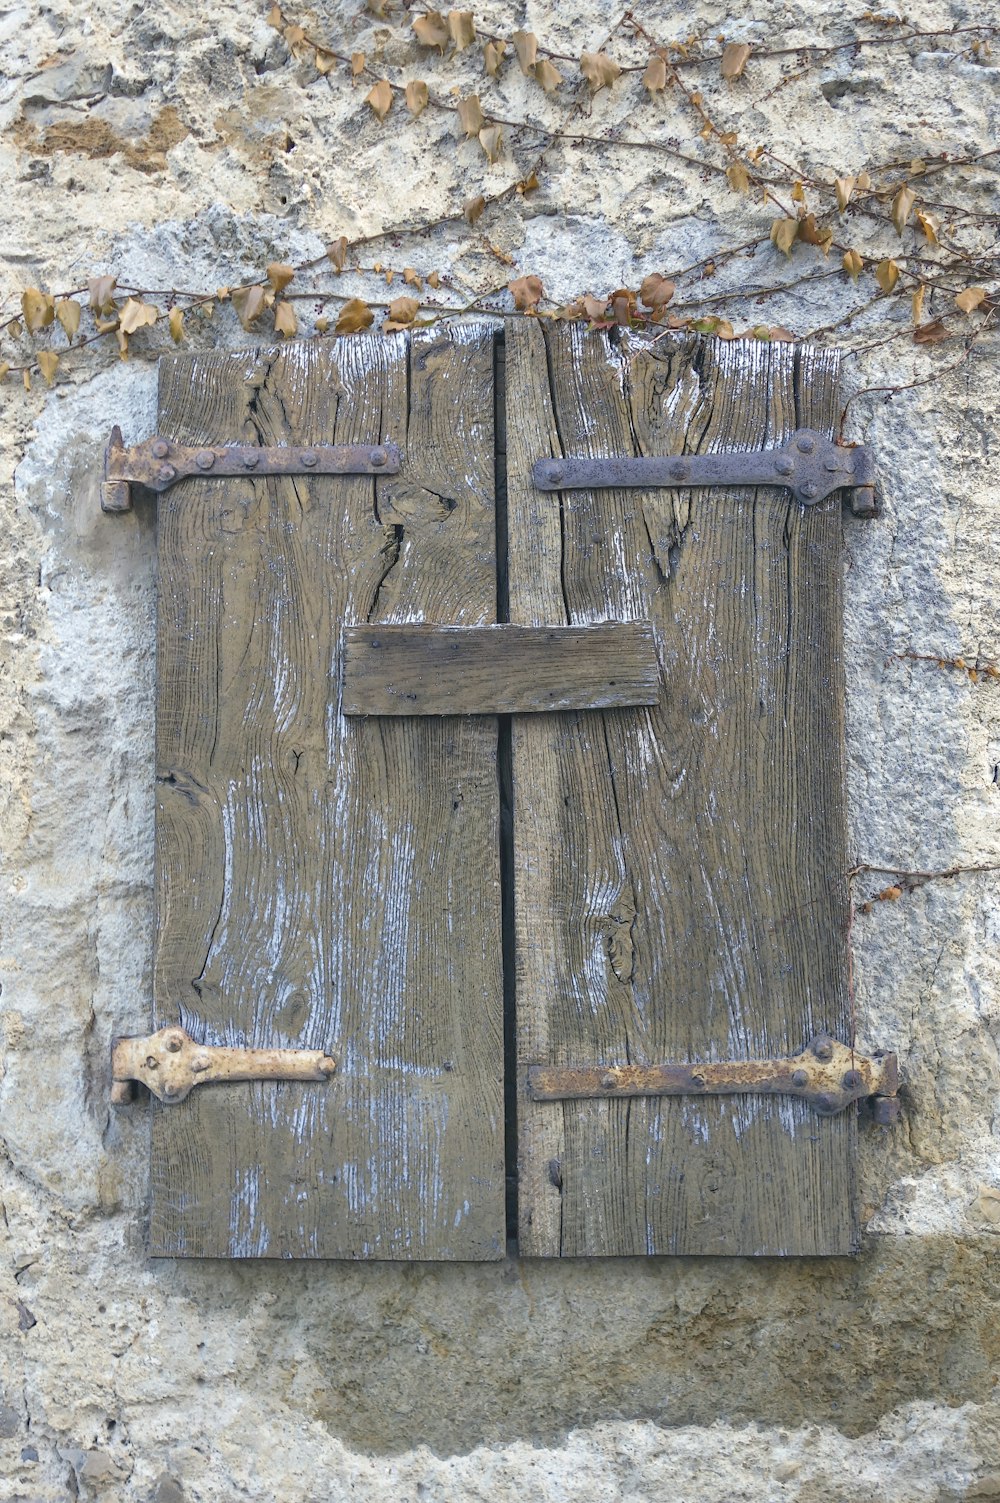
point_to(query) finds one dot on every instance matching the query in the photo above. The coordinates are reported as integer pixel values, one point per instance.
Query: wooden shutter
(324, 882)
(332, 881)
(680, 871)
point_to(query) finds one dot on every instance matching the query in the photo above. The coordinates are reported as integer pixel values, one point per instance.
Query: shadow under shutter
(680, 870)
(321, 882)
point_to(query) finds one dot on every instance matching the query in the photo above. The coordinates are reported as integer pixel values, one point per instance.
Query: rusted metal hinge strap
(827, 1076)
(170, 1063)
(811, 465)
(158, 464)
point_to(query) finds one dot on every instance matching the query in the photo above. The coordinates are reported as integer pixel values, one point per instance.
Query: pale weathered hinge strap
(809, 464)
(158, 464)
(170, 1063)
(827, 1076)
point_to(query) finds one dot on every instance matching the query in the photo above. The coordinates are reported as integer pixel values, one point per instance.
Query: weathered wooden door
(326, 883)
(332, 881)
(680, 870)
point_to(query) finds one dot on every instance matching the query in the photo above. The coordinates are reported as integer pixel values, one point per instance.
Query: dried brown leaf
(275, 18)
(324, 63)
(403, 310)
(412, 279)
(738, 177)
(322, 324)
(68, 313)
(970, 299)
(656, 291)
(380, 98)
(416, 96)
(844, 188)
(357, 63)
(354, 316)
(285, 321)
(4, 369)
(493, 57)
(931, 333)
(596, 308)
(491, 140)
(473, 207)
(864, 181)
(599, 69)
(799, 193)
(38, 309)
(431, 30)
(175, 322)
(917, 304)
(434, 280)
(929, 225)
(470, 116)
(548, 76)
(294, 36)
(887, 274)
(735, 56)
(815, 234)
(655, 76)
(853, 264)
(279, 275)
(337, 253)
(249, 304)
(461, 28)
(623, 305)
(784, 233)
(527, 292)
(48, 364)
(529, 184)
(136, 315)
(902, 207)
(526, 47)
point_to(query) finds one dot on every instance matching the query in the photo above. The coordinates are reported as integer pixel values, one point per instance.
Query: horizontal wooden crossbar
(498, 670)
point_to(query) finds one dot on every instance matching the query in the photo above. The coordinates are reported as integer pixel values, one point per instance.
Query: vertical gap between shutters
(506, 786)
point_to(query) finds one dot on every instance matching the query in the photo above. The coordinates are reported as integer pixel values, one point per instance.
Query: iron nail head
(378, 458)
(160, 448)
(810, 490)
(800, 1078)
(784, 464)
(166, 472)
(309, 458)
(204, 459)
(805, 444)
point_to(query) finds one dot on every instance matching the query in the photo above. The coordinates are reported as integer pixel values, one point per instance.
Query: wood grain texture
(498, 670)
(680, 871)
(324, 883)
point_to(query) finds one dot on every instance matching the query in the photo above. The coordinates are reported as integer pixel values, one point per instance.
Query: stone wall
(183, 145)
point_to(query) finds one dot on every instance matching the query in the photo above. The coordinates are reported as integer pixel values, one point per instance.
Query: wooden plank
(680, 871)
(325, 883)
(498, 670)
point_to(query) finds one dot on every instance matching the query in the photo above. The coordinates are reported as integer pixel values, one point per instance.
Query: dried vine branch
(931, 270)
